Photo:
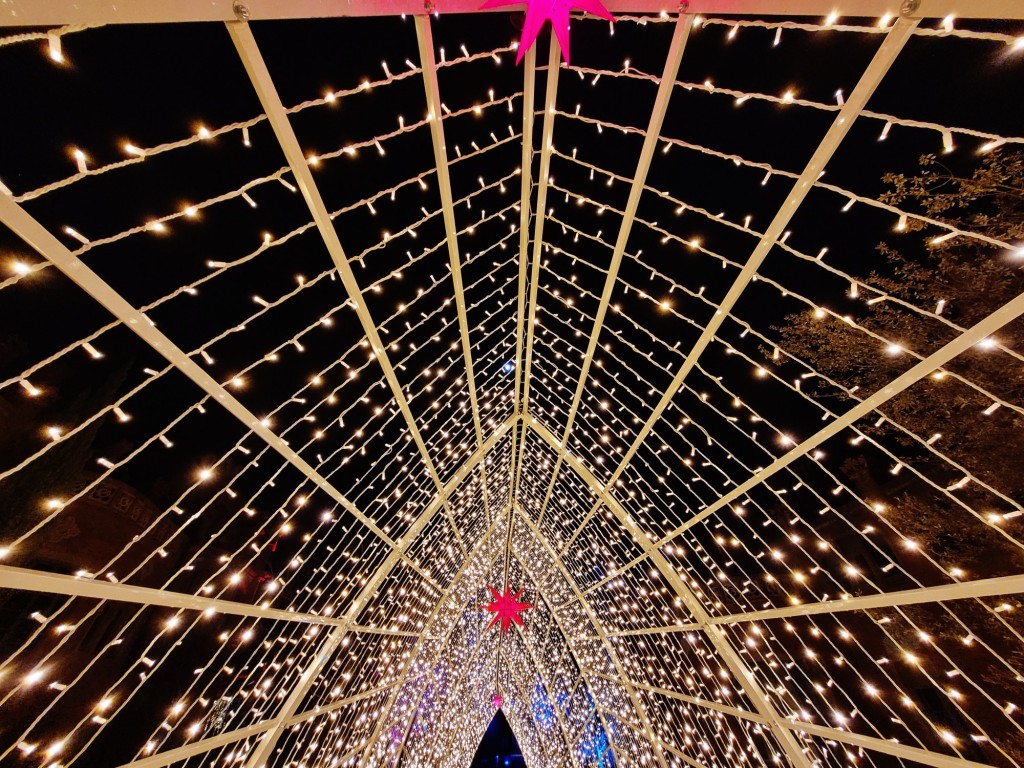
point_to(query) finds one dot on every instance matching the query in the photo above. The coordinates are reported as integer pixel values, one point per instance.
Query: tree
(963, 280)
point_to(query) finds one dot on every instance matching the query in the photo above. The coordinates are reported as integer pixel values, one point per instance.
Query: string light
(593, 585)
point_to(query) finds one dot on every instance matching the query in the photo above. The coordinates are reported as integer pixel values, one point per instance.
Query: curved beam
(30, 13)
(595, 622)
(684, 22)
(880, 64)
(729, 655)
(259, 75)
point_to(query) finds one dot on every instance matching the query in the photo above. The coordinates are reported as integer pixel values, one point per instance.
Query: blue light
(508, 367)
(594, 749)
(543, 712)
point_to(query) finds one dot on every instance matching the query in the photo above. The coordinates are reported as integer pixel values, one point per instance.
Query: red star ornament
(506, 608)
(555, 11)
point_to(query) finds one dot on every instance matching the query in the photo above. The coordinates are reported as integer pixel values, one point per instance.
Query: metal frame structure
(665, 87)
(31, 13)
(786, 732)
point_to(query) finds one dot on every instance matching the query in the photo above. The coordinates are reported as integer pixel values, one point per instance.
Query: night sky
(238, 277)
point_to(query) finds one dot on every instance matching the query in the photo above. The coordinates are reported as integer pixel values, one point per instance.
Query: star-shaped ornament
(555, 11)
(506, 608)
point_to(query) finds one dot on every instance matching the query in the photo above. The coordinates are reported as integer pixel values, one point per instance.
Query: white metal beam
(1010, 311)
(425, 41)
(902, 751)
(684, 22)
(544, 174)
(172, 756)
(883, 59)
(414, 654)
(594, 621)
(728, 654)
(525, 197)
(965, 590)
(262, 752)
(697, 702)
(923, 756)
(258, 73)
(28, 580)
(24, 13)
(39, 238)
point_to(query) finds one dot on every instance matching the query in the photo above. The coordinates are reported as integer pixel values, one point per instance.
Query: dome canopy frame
(509, 522)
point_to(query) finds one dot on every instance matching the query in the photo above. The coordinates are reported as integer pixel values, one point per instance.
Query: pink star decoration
(539, 11)
(506, 608)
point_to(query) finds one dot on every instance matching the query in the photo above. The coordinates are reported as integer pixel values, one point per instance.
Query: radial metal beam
(414, 654)
(554, 66)
(46, 245)
(258, 73)
(28, 580)
(697, 702)
(902, 751)
(525, 197)
(594, 621)
(172, 756)
(965, 590)
(22, 13)
(728, 654)
(684, 22)
(425, 41)
(1007, 313)
(262, 752)
(880, 64)
(1010, 311)
(923, 756)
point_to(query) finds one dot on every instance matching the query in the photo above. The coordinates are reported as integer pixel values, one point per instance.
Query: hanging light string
(788, 99)
(159, 225)
(770, 171)
(56, 34)
(560, 337)
(221, 268)
(774, 654)
(830, 23)
(820, 261)
(332, 395)
(330, 99)
(622, 407)
(808, 370)
(884, 343)
(121, 403)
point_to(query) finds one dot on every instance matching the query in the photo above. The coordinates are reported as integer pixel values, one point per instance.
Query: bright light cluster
(264, 478)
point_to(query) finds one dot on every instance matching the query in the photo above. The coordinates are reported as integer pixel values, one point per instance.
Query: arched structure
(338, 360)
